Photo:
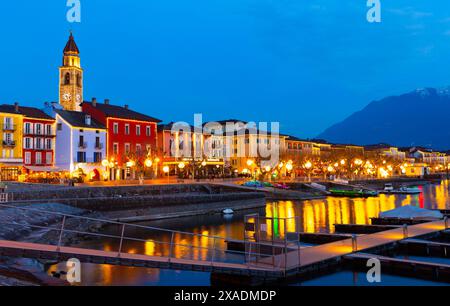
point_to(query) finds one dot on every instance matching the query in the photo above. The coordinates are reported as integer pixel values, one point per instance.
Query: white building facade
(80, 144)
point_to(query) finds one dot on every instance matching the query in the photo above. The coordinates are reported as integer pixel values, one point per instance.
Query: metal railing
(9, 143)
(45, 133)
(163, 243)
(9, 127)
(82, 144)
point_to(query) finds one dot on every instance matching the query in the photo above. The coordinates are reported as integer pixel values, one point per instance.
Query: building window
(148, 131)
(67, 79)
(27, 158)
(49, 158)
(48, 129)
(81, 157)
(38, 158)
(98, 145)
(97, 157)
(127, 129)
(59, 126)
(138, 130)
(127, 148)
(138, 148)
(28, 128)
(38, 143)
(28, 143)
(48, 144)
(115, 148)
(38, 128)
(116, 128)
(81, 143)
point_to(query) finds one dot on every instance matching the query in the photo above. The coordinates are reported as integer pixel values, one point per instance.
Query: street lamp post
(166, 170)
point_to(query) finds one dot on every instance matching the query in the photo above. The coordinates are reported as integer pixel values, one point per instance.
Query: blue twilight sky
(304, 63)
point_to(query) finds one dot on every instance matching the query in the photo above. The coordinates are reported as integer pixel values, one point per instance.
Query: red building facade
(131, 136)
(38, 138)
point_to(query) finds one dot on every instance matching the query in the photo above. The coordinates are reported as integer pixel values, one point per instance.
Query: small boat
(360, 193)
(267, 184)
(281, 186)
(403, 190)
(253, 184)
(388, 187)
(228, 211)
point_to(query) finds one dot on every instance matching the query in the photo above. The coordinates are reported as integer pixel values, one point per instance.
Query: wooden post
(354, 243)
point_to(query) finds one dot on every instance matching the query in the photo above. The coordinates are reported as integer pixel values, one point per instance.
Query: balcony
(9, 127)
(99, 146)
(82, 145)
(9, 143)
(50, 133)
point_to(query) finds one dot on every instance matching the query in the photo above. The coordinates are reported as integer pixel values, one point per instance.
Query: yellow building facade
(11, 155)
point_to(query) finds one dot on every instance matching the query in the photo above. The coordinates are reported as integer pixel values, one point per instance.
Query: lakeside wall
(162, 198)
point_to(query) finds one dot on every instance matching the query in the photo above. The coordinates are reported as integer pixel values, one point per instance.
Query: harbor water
(312, 216)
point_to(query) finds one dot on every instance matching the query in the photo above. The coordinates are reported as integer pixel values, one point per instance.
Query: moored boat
(360, 193)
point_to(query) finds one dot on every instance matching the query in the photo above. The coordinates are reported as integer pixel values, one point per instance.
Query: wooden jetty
(363, 228)
(404, 267)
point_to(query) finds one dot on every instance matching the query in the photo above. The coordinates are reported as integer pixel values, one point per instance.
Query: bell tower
(71, 78)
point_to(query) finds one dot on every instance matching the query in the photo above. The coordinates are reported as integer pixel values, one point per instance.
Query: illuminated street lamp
(250, 162)
(148, 163)
(181, 165)
(289, 167)
(166, 170)
(204, 163)
(267, 168)
(308, 165)
(342, 162)
(330, 169)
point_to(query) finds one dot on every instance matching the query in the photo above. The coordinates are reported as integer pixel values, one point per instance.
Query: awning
(43, 169)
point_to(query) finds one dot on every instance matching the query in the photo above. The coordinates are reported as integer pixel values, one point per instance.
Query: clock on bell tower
(71, 78)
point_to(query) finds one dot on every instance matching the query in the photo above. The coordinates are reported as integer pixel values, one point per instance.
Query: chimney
(88, 120)
(107, 101)
(126, 106)
(16, 107)
(94, 102)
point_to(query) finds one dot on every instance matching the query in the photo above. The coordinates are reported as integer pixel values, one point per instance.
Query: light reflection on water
(311, 216)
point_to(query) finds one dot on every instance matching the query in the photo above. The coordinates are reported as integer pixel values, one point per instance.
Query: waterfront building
(430, 157)
(80, 145)
(323, 147)
(242, 146)
(298, 147)
(38, 140)
(347, 150)
(131, 138)
(385, 150)
(182, 144)
(11, 159)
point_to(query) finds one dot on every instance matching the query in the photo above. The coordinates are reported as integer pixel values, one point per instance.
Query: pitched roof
(294, 138)
(78, 119)
(71, 46)
(29, 112)
(169, 126)
(121, 112)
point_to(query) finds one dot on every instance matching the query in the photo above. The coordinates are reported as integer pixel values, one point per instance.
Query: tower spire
(71, 47)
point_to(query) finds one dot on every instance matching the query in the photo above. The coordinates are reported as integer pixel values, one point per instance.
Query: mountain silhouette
(418, 118)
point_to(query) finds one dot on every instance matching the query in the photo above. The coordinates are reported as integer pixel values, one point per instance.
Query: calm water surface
(312, 216)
